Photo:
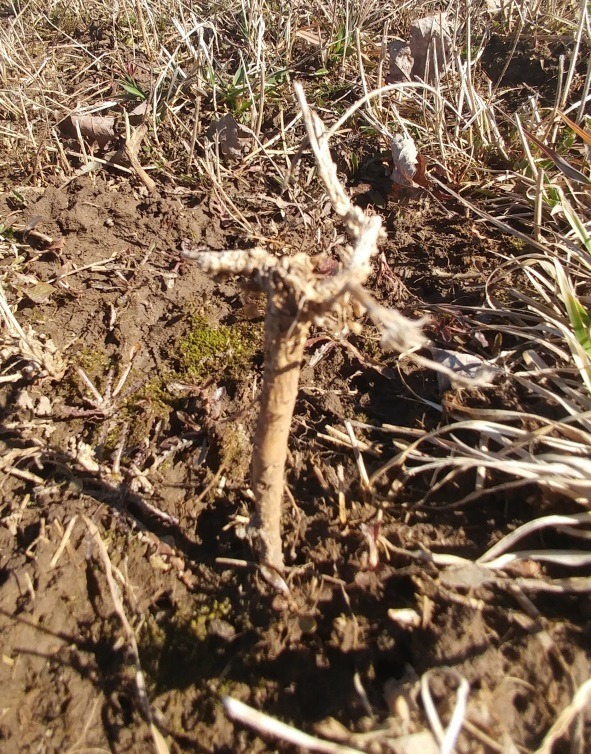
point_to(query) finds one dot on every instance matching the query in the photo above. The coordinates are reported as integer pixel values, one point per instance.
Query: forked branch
(298, 298)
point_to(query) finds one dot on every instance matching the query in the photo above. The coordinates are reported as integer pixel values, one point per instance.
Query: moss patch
(224, 350)
(96, 362)
(179, 650)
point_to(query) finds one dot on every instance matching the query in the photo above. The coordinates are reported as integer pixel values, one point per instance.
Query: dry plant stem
(269, 726)
(285, 338)
(297, 297)
(288, 284)
(159, 743)
(132, 145)
(560, 728)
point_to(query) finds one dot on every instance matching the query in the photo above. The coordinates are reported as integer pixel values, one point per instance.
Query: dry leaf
(405, 158)
(430, 46)
(563, 165)
(495, 7)
(24, 401)
(465, 365)
(420, 178)
(138, 114)
(43, 406)
(401, 62)
(96, 129)
(310, 35)
(40, 292)
(582, 132)
(468, 576)
(234, 139)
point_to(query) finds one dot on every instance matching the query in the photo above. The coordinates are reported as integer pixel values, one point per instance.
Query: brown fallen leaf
(139, 113)
(96, 129)
(401, 62)
(40, 293)
(430, 46)
(309, 35)
(233, 138)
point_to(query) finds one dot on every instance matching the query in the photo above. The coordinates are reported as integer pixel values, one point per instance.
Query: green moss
(199, 623)
(156, 394)
(517, 244)
(181, 642)
(95, 361)
(225, 351)
(235, 451)
(152, 641)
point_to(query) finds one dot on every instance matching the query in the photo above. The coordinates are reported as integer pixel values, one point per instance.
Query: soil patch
(159, 462)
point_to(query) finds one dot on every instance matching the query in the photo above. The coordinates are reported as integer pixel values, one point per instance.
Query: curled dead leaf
(465, 365)
(405, 158)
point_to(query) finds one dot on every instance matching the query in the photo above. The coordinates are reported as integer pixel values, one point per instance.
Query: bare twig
(140, 682)
(269, 726)
(133, 142)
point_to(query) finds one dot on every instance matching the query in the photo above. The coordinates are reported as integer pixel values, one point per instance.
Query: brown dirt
(526, 64)
(206, 629)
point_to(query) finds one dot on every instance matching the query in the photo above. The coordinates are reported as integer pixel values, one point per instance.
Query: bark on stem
(285, 338)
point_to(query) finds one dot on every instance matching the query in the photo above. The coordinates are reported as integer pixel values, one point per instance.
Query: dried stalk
(297, 298)
(269, 726)
(287, 283)
(133, 142)
(285, 338)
